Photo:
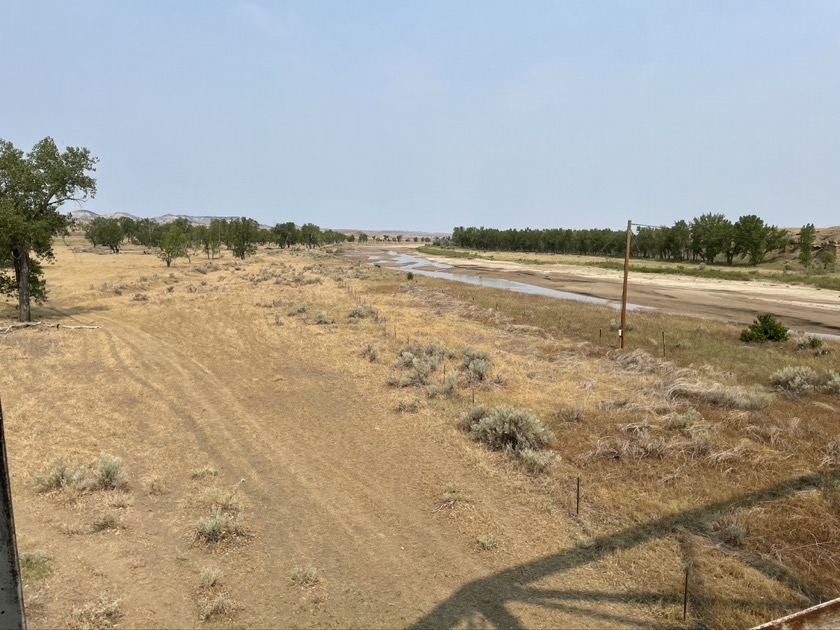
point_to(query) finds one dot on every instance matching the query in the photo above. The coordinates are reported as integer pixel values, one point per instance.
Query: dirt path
(803, 308)
(331, 477)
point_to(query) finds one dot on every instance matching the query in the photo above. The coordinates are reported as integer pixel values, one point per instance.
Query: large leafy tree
(243, 235)
(174, 242)
(310, 234)
(33, 187)
(285, 234)
(807, 237)
(209, 238)
(711, 234)
(751, 236)
(105, 231)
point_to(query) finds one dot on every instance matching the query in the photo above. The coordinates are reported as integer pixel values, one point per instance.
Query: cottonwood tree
(806, 240)
(129, 228)
(310, 235)
(174, 243)
(33, 187)
(209, 238)
(285, 234)
(754, 238)
(243, 235)
(105, 231)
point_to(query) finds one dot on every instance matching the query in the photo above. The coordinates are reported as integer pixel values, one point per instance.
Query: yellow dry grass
(217, 367)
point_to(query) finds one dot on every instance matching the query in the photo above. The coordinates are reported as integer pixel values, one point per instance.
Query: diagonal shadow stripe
(488, 597)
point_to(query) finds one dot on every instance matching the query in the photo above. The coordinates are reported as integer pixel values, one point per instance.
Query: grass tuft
(100, 614)
(536, 462)
(35, 566)
(110, 475)
(831, 455)
(211, 577)
(59, 476)
(218, 527)
(219, 606)
(204, 472)
(155, 486)
(306, 577)
(716, 394)
(372, 352)
(106, 520)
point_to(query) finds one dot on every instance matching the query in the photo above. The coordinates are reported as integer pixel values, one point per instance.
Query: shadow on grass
(490, 599)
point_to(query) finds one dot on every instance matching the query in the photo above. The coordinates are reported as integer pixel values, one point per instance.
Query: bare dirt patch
(229, 400)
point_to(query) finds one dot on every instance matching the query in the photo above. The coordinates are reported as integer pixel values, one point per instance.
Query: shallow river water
(417, 265)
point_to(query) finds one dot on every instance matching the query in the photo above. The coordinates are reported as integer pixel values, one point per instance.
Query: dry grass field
(247, 443)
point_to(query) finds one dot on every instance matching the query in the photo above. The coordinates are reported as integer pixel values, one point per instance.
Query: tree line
(180, 238)
(35, 185)
(707, 238)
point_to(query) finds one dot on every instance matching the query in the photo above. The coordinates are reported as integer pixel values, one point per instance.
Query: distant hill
(86, 216)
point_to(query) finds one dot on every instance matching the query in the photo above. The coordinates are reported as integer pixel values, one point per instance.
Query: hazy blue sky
(428, 114)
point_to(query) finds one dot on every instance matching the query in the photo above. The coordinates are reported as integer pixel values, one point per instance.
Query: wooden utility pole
(11, 593)
(622, 332)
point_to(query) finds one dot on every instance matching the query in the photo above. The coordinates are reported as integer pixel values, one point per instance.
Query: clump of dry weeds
(100, 614)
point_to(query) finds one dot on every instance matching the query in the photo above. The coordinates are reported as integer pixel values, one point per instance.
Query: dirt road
(192, 370)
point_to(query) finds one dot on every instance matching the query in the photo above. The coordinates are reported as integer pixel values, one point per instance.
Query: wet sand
(803, 308)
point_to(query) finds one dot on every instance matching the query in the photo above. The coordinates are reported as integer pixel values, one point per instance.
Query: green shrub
(220, 606)
(299, 309)
(408, 406)
(61, 475)
(765, 328)
(211, 577)
(203, 472)
(110, 475)
(35, 565)
(218, 527)
(409, 275)
(106, 520)
(536, 462)
(307, 577)
(434, 353)
(480, 368)
(358, 312)
(832, 383)
(419, 362)
(511, 429)
(448, 389)
(322, 319)
(473, 354)
(477, 363)
(471, 417)
(795, 381)
(371, 352)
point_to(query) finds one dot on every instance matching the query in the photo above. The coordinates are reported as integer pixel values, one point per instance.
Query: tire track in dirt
(332, 494)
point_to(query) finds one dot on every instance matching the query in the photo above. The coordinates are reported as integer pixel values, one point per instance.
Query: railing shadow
(490, 598)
